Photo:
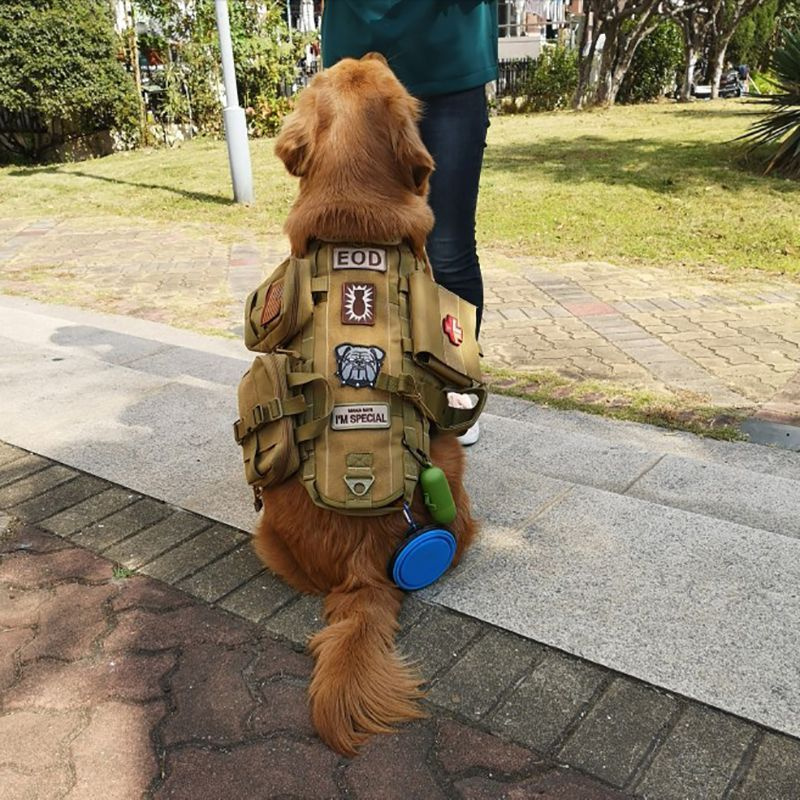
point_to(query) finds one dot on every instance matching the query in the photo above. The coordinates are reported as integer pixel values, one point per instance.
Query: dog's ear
(375, 56)
(407, 144)
(294, 143)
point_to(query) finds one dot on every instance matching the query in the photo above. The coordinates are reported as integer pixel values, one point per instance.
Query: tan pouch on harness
(270, 400)
(279, 308)
(362, 348)
(446, 351)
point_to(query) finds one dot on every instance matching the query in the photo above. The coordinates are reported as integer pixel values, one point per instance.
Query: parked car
(730, 85)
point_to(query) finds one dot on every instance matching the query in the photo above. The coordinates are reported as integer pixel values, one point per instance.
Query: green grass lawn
(658, 184)
(661, 184)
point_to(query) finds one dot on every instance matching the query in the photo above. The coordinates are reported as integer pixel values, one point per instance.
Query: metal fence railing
(305, 71)
(513, 74)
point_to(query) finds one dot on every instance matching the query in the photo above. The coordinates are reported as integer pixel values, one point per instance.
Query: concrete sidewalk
(731, 340)
(191, 684)
(663, 557)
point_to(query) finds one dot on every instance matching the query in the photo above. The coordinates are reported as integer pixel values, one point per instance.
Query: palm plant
(782, 124)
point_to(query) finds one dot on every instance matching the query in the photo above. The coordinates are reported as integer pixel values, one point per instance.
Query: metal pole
(232, 115)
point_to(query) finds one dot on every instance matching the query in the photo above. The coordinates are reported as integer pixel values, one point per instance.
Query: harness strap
(310, 430)
(432, 400)
(263, 413)
(320, 283)
(314, 427)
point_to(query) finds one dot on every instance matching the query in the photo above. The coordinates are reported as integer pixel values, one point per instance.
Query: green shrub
(753, 41)
(553, 79)
(265, 117)
(59, 70)
(654, 65)
(265, 52)
(764, 81)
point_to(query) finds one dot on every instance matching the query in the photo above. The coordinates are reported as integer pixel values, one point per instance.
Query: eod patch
(373, 258)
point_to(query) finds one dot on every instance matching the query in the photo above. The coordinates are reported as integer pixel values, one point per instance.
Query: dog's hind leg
(360, 684)
(273, 552)
(448, 454)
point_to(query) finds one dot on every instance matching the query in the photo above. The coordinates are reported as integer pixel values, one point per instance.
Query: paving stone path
(729, 340)
(145, 653)
(736, 344)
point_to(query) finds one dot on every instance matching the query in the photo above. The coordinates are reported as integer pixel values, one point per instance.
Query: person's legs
(453, 128)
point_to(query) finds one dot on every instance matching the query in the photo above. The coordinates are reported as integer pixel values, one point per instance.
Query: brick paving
(734, 344)
(145, 653)
(115, 684)
(730, 340)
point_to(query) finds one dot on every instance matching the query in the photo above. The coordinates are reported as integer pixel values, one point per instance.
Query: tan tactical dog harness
(359, 349)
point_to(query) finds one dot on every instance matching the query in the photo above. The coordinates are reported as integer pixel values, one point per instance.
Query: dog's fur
(353, 142)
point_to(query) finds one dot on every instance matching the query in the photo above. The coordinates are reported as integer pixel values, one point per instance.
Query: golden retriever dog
(353, 142)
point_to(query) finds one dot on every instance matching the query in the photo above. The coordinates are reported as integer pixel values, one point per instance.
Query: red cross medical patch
(454, 331)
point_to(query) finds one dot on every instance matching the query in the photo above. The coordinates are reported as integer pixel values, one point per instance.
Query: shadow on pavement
(202, 197)
(670, 168)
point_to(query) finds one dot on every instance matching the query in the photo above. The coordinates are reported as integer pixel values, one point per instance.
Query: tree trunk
(638, 35)
(606, 18)
(618, 57)
(717, 65)
(722, 32)
(133, 50)
(587, 50)
(693, 38)
(690, 54)
(602, 94)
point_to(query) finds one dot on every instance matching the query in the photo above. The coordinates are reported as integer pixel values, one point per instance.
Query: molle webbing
(389, 344)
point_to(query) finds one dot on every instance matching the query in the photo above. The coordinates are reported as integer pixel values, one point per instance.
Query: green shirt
(434, 46)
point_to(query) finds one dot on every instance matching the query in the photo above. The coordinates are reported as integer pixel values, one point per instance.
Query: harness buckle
(269, 412)
(239, 435)
(275, 408)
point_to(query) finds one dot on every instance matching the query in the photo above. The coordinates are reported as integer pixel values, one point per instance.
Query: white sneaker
(471, 435)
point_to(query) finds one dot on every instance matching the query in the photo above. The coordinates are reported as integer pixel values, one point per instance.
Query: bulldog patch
(358, 365)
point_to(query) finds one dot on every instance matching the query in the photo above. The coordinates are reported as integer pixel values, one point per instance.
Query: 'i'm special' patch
(353, 417)
(373, 258)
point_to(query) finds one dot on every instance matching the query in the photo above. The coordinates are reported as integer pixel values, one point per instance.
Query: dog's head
(357, 119)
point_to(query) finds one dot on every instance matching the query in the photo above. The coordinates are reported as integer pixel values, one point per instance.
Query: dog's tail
(360, 684)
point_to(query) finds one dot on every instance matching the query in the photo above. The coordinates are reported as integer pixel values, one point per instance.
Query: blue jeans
(453, 128)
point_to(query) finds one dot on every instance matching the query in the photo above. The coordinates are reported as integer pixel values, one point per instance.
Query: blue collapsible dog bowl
(422, 558)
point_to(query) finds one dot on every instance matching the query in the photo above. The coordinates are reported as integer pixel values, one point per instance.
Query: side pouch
(445, 353)
(279, 308)
(443, 333)
(270, 399)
